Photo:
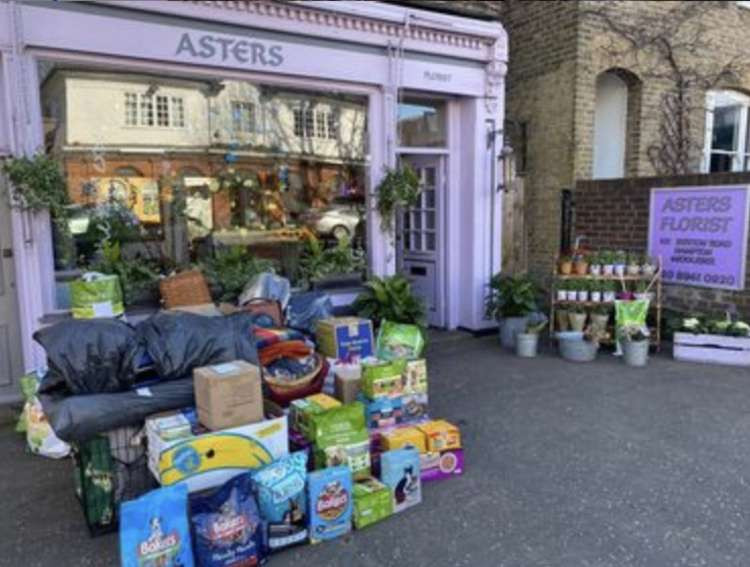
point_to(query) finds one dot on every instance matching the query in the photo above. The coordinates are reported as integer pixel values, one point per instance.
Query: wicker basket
(288, 386)
(283, 393)
(185, 288)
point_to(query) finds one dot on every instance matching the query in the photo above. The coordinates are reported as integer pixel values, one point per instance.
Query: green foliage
(317, 261)
(138, 276)
(390, 298)
(607, 257)
(230, 270)
(399, 188)
(38, 184)
(510, 296)
(725, 326)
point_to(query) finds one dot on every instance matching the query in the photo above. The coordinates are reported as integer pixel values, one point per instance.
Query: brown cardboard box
(228, 394)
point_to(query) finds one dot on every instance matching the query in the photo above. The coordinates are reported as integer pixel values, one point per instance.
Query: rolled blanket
(267, 337)
(286, 349)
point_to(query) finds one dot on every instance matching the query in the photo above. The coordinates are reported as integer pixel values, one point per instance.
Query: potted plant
(609, 289)
(648, 268)
(720, 341)
(634, 340)
(634, 264)
(619, 259)
(572, 290)
(577, 318)
(565, 265)
(527, 342)
(561, 319)
(642, 291)
(607, 260)
(340, 265)
(580, 263)
(595, 291)
(562, 291)
(600, 317)
(595, 264)
(229, 270)
(391, 299)
(399, 189)
(583, 290)
(510, 301)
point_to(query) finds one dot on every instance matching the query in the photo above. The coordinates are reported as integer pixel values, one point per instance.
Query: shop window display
(177, 169)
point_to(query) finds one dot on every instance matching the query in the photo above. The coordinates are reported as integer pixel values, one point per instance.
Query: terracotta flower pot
(581, 267)
(566, 268)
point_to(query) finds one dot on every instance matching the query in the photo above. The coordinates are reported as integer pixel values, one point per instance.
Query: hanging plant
(38, 184)
(398, 189)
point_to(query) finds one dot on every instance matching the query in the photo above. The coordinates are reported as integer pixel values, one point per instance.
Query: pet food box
(372, 502)
(440, 465)
(302, 411)
(341, 438)
(210, 459)
(402, 437)
(383, 378)
(399, 471)
(414, 407)
(383, 412)
(330, 501)
(345, 338)
(441, 435)
(415, 377)
(298, 442)
(228, 395)
(347, 381)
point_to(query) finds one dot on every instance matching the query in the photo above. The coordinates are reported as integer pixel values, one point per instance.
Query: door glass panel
(429, 176)
(417, 220)
(417, 241)
(430, 241)
(430, 216)
(421, 123)
(429, 199)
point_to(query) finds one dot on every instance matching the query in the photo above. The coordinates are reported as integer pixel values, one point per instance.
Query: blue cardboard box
(400, 472)
(345, 338)
(330, 501)
(383, 412)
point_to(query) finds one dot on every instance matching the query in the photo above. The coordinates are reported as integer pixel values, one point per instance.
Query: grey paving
(568, 465)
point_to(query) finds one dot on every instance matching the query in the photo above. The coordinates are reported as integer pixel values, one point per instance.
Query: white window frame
(240, 125)
(147, 106)
(310, 122)
(742, 155)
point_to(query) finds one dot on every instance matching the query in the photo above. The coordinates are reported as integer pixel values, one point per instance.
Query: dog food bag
(399, 340)
(329, 495)
(280, 490)
(399, 471)
(154, 529)
(227, 526)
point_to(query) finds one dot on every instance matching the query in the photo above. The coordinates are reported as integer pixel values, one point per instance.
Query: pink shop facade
(426, 88)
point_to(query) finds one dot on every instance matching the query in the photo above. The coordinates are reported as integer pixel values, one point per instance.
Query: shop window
(421, 123)
(727, 143)
(167, 206)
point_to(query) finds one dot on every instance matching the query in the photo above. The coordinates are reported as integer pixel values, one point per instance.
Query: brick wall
(613, 214)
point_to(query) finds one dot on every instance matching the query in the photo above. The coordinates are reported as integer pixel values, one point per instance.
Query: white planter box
(713, 349)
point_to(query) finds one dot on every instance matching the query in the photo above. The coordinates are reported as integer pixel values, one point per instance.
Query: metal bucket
(635, 353)
(526, 344)
(574, 348)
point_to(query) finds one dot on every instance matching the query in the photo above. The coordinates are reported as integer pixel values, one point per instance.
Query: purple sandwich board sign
(700, 234)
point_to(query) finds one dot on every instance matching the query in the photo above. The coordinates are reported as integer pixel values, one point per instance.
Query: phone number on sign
(697, 277)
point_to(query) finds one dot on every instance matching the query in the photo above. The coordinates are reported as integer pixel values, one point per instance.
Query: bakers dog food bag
(154, 529)
(329, 495)
(226, 525)
(280, 490)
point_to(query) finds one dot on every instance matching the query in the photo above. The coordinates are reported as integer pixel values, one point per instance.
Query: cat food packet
(227, 527)
(280, 490)
(154, 529)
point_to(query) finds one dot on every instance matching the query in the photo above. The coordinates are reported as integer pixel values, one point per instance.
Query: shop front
(198, 125)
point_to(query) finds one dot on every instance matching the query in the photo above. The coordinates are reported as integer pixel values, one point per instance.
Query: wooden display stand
(654, 306)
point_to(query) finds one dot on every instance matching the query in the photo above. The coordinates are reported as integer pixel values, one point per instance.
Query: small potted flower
(572, 290)
(527, 342)
(600, 317)
(565, 265)
(562, 291)
(609, 290)
(634, 340)
(577, 318)
(595, 291)
(580, 263)
(583, 290)
(648, 268)
(619, 259)
(634, 264)
(595, 268)
(607, 260)
(642, 291)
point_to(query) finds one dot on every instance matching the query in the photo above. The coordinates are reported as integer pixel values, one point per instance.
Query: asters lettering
(230, 49)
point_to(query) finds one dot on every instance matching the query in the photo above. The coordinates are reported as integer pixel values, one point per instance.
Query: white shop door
(420, 236)
(10, 333)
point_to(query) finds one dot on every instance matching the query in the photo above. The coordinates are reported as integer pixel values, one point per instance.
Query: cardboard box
(228, 395)
(330, 502)
(441, 435)
(208, 460)
(399, 471)
(302, 412)
(383, 378)
(383, 412)
(415, 407)
(372, 502)
(345, 338)
(404, 437)
(415, 377)
(440, 465)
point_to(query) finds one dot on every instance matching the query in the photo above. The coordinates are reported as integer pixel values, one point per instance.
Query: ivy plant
(37, 184)
(399, 188)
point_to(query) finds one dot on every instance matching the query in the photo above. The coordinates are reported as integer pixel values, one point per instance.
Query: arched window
(727, 141)
(127, 171)
(610, 126)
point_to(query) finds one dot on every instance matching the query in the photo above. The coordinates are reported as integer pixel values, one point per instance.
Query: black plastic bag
(178, 342)
(88, 356)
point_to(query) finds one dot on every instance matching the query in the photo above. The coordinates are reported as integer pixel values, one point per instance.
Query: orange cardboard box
(441, 435)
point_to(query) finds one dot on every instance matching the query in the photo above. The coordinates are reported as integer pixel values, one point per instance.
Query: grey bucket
(635, 353)
(574, 348)
(509, 326)
(526, 344)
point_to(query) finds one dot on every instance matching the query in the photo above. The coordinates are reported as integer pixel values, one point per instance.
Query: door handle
(7, 252)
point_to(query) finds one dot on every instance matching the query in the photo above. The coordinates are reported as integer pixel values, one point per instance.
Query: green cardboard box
(341, 438)
(302, 412)
(383, 378)
(372, 502)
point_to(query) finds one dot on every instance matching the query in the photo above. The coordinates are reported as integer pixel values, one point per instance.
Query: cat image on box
(400, 472)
